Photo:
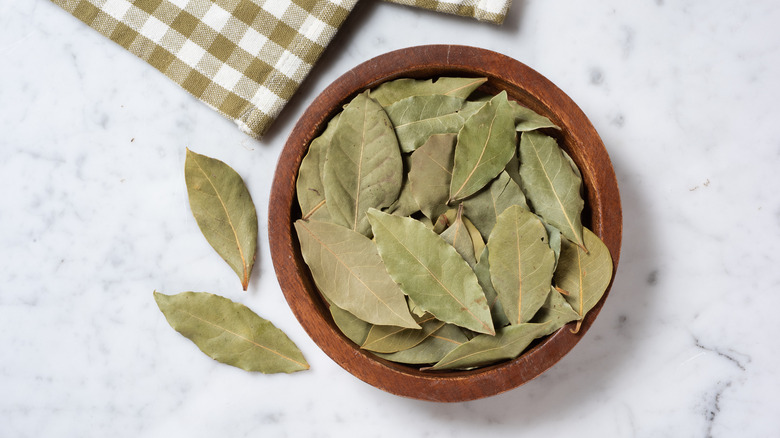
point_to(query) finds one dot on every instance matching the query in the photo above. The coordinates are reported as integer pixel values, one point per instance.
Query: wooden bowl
(602, 214)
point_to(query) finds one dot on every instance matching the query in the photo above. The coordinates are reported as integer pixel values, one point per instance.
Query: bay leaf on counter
(430, 174)
(231, 333)
(416, 118)
(550, 184)
(393, 91)
(508, 343)
(484, 146)
(432, 349)
(484, 207)
(458, 236)
(584, 275)
(309, 188)
(363, 167)
(223, 209)
(521, 263)
(347, 269)
(431, 272)
(390, 339)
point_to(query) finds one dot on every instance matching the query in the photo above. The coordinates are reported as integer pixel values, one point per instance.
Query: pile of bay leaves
(445, 230)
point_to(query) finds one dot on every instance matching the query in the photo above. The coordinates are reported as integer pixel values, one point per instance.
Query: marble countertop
(94, 217)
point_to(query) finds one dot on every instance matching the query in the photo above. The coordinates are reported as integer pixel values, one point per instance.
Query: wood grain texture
(577, 136)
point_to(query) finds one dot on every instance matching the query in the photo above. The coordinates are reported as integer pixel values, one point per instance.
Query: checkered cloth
(493, 11)
(244, 58)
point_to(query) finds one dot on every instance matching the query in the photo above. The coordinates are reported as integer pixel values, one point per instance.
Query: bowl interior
(577, 136)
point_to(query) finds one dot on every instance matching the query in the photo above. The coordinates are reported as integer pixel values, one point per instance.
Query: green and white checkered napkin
(244, 58)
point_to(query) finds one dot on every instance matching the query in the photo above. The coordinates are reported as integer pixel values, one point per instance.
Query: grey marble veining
(94, 217)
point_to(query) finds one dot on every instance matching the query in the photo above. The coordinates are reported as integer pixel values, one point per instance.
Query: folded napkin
(244, 58)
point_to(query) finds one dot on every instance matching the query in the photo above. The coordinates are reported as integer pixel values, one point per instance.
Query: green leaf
(432, 349)
(484, 207)
(485, 144)
(430, 174)
(348, 271)
(521, 263)
(224, 211)
(528, 120)
(416, 118)
(309, 188)
(508, 343)
(431, 272)
(550, 184)
(363, 167)
(231, 333)
(389, 339)
(458, 236)
(584, 275)
(393, 91)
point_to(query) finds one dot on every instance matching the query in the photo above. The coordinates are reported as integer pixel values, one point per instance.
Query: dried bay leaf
(309, 188)
(405, 205)
(363, 167)
(390, 339)
(528, 120)
(224, 211)
(432, 349)
(554, 239)
(484, 207)
(393, 91)
(458, 236)
(431, 272)
(485, 145)
(430, 174)
(521, 263)
(348, 270)
(353, 327)
(416, 118)
(483, 275)
(231, 333)
(584, 275)
(476, 238)
(550, 184)
(508, 343)
(556, 311)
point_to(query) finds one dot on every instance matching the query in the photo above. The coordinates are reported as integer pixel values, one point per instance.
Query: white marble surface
(94, 217)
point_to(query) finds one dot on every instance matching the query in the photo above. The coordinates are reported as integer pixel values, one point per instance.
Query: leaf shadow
(607, 349)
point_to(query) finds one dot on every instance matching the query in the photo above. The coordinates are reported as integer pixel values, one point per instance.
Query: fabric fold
(244, 58)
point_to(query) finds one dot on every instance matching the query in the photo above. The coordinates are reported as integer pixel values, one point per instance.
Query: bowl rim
(526, 86)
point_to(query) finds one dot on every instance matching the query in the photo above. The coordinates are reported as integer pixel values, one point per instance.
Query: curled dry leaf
(363, 167)
(584, 275)
(393, 91)
(348, 270)
(430, 174)
(521, 263)
(224, 211)
(417, 118)
(431, 272)
(484, 147)
(550, 184)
